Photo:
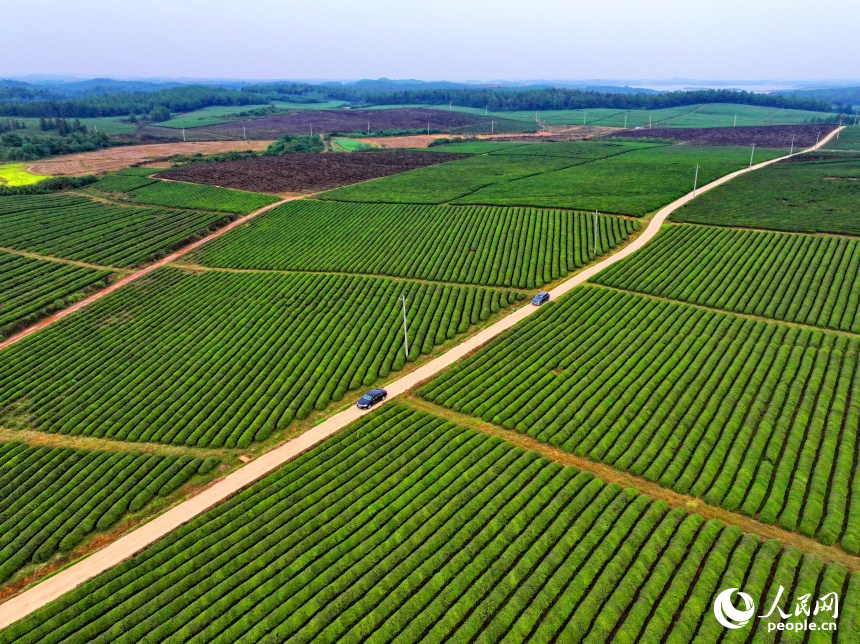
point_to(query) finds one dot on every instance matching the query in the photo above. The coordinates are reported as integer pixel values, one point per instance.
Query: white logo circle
(723, 609)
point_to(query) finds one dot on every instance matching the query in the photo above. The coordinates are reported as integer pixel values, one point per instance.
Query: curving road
(54, 587)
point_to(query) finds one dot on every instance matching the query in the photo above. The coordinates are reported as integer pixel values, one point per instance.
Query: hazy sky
(440, 39)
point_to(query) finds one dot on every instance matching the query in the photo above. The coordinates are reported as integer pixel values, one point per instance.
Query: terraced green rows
(188, 195)
(52, 498)
(634, 183)
(758, 417)
(408, 528)
(32, 288)
(493, 246)
(800, 278)
(817, 192)
(81, 229)
(222, 358)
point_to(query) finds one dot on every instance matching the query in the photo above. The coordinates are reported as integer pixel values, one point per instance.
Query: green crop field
(121, 182)
(849, 139)
(812, 280)
(447, 181)
(109, 125)
(809, 193)
(53, 498)
(351, 145)
(32, 288)
(475, 146)
(634, 183)
(81, 229)
(755, 416)
(408, 528)
(173, 194)
(700, 115)
(459, 179)
(491, 246)
(218, 358)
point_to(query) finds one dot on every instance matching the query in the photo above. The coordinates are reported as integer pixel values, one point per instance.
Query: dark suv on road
(372, 397)
(540, 298)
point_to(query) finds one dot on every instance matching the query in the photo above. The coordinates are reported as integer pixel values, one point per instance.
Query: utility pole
(625, 121)
(792, 146)
(649, 121)
(492, 127)
(183, 134)
(450, 105)
(402, 299)
(428, 128)
(736, 120)
(595, 234)
(584, 116)
(368, 127)
(817, 137)
(244, 134)
(486, 110)
(696, 179)
(312, 129)
(752, 153)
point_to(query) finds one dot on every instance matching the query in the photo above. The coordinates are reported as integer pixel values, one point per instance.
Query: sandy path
(135, 541)
(134, 276)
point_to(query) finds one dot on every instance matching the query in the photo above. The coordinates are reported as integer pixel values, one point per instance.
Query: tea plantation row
(81, 229)
(219, 358)
(183, 195)
(33, 287)
(493, 246)
(755, 416)
(808, 279)
(408, 528)
(52, 498)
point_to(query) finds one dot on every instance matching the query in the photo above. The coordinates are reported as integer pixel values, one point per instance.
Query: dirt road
(128, 545)
(134, 276)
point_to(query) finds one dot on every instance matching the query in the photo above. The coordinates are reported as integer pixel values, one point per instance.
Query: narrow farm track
(43, 439)
(134, 276)
(832, 554)
(62, 260)
(748, 316)
(135, 541)
(273, 271)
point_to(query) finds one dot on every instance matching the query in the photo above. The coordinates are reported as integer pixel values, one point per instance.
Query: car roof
(541, 294)
(376, 391)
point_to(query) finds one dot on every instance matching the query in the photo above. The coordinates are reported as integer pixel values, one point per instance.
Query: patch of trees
(15, 146)
(292, 143)
(176, 99)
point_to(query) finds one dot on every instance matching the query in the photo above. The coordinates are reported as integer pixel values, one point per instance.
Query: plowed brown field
(122, 157)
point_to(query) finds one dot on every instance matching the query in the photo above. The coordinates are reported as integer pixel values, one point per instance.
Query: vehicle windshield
(367, 397)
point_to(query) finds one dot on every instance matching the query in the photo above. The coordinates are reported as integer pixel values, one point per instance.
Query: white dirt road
(54, 587)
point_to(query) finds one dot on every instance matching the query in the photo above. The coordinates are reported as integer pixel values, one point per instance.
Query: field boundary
(63, 260)
(653, 490)
(135, 276)
(748, 316)
(130, 544)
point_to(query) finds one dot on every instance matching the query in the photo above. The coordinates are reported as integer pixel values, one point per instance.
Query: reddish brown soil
(118, 158)
(308, 172)
(765, 136)
(343, 121)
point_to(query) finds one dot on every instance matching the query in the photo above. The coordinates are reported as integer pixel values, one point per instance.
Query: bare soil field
(342, 121)
(118, 158)
(765, 136)
(306, 172)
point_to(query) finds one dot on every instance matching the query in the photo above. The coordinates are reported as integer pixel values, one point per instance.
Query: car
(540, 298)
(372, 397)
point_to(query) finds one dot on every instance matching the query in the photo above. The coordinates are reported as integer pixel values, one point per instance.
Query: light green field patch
(351, 145)
(14, 174)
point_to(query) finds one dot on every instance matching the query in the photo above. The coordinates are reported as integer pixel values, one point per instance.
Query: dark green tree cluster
(176, 99)
(291, 143)
(64, 127)
(26, 147)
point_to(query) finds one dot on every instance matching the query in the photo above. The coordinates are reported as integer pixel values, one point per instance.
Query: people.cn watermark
(731, 617)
